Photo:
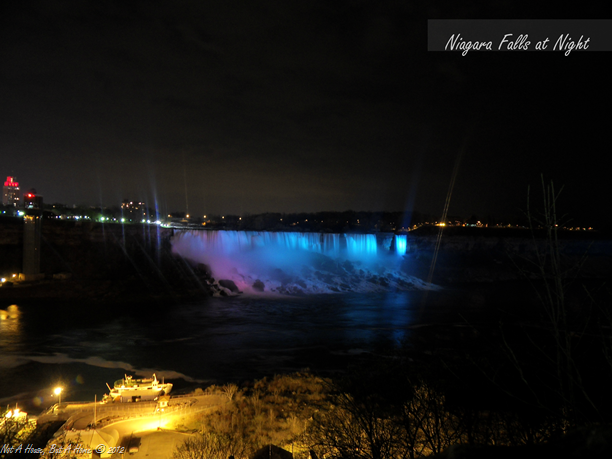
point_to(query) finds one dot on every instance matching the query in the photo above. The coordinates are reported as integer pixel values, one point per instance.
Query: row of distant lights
(189, 216)
(102, 219)
(157, 222)
(108, 219)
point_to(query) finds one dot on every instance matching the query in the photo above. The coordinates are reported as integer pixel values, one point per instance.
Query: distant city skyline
(238, 108)
(132, 207)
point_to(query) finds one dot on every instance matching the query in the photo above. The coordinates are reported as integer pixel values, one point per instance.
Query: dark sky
(254, 106)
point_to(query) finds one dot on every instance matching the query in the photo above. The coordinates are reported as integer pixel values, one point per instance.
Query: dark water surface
(220, 339)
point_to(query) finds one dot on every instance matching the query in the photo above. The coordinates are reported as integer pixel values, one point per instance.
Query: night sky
(288, 106)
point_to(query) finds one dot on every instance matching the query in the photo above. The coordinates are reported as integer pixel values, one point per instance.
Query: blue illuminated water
(401, 244)
(354, 247)
(300, 263)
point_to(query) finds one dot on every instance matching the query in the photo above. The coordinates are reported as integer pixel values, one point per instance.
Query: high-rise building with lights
(133, 211)
(10, 192)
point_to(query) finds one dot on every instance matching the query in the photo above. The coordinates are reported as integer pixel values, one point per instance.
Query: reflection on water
(218, 339)
(10, 328)
(389, 318)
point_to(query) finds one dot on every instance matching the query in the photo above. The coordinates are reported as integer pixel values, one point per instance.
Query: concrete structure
(93, 443)
(162, 402)
(140, 427)
(10, 192)
(31, 246)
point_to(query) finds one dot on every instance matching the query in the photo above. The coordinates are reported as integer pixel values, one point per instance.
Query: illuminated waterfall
(401, 244)
(337, 260)
(355, 247)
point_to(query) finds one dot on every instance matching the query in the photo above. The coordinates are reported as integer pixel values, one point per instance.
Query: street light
(58, 392)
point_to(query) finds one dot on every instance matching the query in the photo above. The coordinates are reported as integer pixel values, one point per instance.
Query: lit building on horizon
(132, 211)
(10, 192)
(32, 201)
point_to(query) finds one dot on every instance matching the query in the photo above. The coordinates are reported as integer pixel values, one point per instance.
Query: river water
(44, 344)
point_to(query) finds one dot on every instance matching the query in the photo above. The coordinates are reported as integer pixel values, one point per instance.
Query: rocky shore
(100, 263)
